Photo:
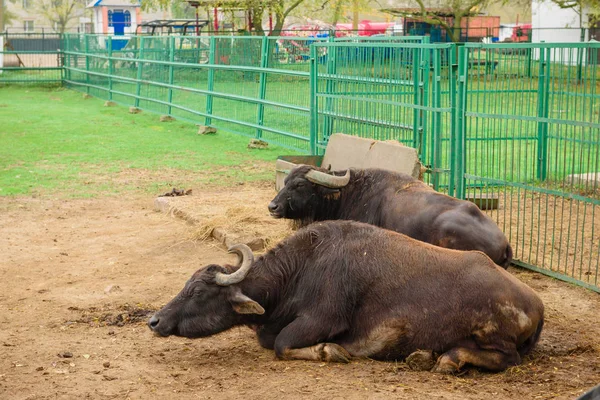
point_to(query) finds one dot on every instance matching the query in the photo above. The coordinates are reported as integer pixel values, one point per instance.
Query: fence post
(424, 89)
(66, 61)
(110, 69)
(330, 86)
(87, 63)
(171, 73)
(459, 141)
(542, 112)
(211, 79)
(138, 89)
(436, 138)
(314, 111)
(417, 97)
(262, 85)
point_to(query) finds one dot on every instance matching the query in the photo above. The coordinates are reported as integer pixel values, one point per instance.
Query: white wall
(551, 23)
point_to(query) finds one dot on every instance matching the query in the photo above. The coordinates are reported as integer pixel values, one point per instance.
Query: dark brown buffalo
(393, 201)
(341, 289)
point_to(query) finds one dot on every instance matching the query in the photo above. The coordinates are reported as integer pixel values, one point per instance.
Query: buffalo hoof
(420, 360)
(445, 365)
(332, 352)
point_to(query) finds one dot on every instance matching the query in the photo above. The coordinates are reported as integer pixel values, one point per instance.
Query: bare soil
(80, 278)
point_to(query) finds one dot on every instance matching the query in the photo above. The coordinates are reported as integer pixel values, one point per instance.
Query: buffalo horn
(247, 259)
(330, 181)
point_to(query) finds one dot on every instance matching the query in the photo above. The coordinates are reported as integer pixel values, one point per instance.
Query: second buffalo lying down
(393, 201)
(342, 289)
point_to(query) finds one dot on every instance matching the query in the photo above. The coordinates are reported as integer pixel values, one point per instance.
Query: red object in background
(480, 26)
(521, 33)
(365, 28)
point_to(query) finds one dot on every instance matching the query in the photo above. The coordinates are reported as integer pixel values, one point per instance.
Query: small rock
(109, 378)
(111, 332)
(39, 369)
(134, 110)
(112, 289)
(65, 354)
(166, 118)
(206, 130)
(109, 103)
(86, 356)
(106, 364)
(258, 144)
(86, 96)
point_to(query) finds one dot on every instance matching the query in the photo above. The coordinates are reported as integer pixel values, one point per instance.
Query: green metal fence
(388, 91)
(530, 130)
(254, 86)
(514, 122)
(30, 58)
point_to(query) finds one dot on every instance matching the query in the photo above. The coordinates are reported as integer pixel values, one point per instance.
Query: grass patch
(56, 142)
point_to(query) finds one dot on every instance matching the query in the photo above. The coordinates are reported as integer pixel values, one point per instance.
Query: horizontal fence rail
(516, 124)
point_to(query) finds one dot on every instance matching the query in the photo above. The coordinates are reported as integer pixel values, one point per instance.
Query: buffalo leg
(300, 341)
(493, 360)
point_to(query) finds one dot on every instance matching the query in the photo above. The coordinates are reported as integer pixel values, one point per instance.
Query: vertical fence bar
(87, 63)
(436, 138)
(140, 71)
(314, 112)
(424, 89)
(110, 68)
(416, 52)
(460, 143)
(212, 48)
(542, 112)
(329, 88)
(64, 42)
(453, 75)
(171, 73)
(262, 83)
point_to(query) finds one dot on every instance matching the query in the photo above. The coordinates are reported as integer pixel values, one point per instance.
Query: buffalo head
(304, 190)
(209, 303)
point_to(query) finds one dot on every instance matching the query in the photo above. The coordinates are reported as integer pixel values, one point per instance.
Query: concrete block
(591, 179)
(166, 118)
(134, 110)
(346, 151)
(485, 201)
(109, 103)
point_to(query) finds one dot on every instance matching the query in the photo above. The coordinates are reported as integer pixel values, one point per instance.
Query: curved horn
(247, 259)
(330, 181)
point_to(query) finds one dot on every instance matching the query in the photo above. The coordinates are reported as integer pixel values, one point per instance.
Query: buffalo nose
(273, 206)
(153, 322)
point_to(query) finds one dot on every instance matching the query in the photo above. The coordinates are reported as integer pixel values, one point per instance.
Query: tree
(436, 13)
(592, 7)
(61, 12)
(6, 17)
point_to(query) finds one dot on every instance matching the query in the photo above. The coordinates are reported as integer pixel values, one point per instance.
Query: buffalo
(393, 201)
(341, 289)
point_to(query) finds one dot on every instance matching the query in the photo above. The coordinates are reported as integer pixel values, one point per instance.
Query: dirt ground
(80, 277)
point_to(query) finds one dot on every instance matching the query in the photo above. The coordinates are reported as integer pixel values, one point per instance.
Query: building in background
(26, 16)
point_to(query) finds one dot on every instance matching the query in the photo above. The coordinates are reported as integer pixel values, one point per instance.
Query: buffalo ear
(243, 304)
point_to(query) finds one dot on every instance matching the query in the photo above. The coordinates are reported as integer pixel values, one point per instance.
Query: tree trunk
(455, 31)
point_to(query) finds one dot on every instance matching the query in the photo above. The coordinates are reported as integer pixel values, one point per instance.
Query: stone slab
(590, 179)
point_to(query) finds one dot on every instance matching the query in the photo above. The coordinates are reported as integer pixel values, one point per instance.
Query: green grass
(55, 142)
